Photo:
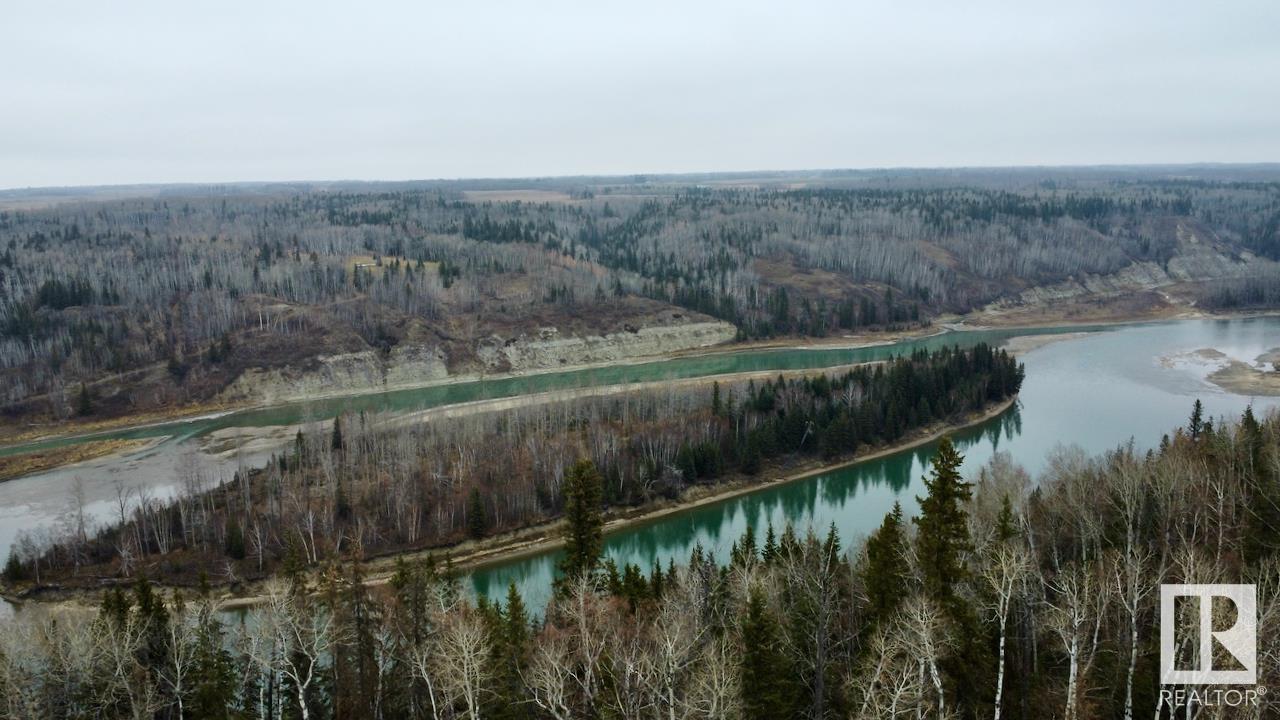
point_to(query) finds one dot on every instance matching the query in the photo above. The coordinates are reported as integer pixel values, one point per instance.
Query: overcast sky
(123, 92)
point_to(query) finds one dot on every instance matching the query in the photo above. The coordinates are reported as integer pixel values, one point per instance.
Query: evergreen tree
(943, 542)
(838, 438)
(943, 524)
(418, 591)
(85, 404)
(1251, 438)
(294, 565)
(298, 447)
(656, 582)
(14, 570)
(584, 520)
(767, 691)
(1196, 425)
(115, 607)
(213, 673)
(612, 578)
(743, 552)
(234, 545)
(885, 575)
(517, 622)
(511, 633)
(770, 549)
(752, 455)
(153, 618)
(354, 659)
(336, 443)
(477, 521)
(1006, 521)
(1262, 523)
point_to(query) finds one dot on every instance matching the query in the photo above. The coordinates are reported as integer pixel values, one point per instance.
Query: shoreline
(1192, 314)
(544, 537)
(737, 488)
(20, 465)
(1259, 377)
(244, 435)
(517, 545)
(211, 410)
(942, 325)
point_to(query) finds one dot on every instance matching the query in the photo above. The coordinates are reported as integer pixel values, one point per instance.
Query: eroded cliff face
(345, 373)
(410, 365)
(1199, 258)
(549, 350)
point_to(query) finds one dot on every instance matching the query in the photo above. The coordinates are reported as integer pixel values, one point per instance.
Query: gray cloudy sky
(121, 92)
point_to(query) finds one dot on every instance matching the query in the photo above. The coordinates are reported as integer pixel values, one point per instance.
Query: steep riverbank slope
(412, 365)
(1141, 290)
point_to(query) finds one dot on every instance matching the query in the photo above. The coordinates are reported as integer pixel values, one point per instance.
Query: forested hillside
(122, 305)
(997, 599)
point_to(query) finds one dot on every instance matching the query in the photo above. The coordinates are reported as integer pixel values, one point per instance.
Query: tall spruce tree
(1006, 521)
(234, 545)
(885, 573)
(213, 671)
(1262, 524)
(1252, 440)
(336, 443)
(84, 406)
(770, 549)
(943, 527)
(767, 684)
(509, 628)
(584, 520)
(477, 520)
(942, 543)
(743, 552)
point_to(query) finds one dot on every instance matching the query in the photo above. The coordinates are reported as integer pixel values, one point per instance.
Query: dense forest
(359, 484)
(109, 307)
(997, 597)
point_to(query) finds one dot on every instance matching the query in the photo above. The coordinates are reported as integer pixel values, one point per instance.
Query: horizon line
(633, 176)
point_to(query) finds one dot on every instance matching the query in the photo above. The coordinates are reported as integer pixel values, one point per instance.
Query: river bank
(1090, 392)
(1246, 376)
(265, 439)
(15, 466)
(544, 537)
(79, 431)
(1022, 344)
(15, 442)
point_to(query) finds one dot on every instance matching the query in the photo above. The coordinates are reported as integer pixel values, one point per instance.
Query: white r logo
(1236, 645)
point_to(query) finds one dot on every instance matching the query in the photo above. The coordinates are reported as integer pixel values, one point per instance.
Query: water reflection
(1096, 392)
(854, 498)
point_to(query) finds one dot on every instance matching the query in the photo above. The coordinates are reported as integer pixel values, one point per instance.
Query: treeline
(88, 291)
(998, 597)
(357, 483)
(1262, 292)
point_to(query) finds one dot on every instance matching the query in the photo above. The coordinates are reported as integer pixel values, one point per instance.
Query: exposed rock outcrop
(410, 365)
(548, 349)
(365, 371)
(1198, 259)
